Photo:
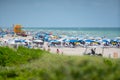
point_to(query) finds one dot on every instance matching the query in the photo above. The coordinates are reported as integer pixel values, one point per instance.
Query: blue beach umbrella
(17, 40)
(73, 40)
(88, 40)
(80, 41)
(118, 40)
(22, 40)
(115, 40)
(106, 40)
(55, 41)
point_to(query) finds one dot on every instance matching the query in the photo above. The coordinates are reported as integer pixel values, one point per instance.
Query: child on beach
(58, 51)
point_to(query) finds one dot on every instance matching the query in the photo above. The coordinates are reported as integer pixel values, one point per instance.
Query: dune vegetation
(37, 64)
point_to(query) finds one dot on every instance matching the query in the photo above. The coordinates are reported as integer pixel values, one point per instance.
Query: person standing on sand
(48, 48)
(58, 51)
(93, 51)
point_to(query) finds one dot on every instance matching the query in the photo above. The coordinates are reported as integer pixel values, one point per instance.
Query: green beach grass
(36, 64)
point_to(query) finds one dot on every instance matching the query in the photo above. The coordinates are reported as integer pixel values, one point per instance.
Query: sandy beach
(79, 51)
(106, 52)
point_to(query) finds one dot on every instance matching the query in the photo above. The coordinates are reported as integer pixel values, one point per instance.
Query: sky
(60, 13)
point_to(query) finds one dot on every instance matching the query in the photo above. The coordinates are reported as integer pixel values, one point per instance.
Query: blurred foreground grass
(33, 64)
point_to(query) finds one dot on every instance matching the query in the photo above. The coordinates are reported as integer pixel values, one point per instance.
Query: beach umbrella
(22, 40)
(18, 40)
(27, 41)
(106, 40)
(46, 38)
(88, 40)
(73, 40)
(115, 40)
(37, 41)
(66, 40)
(118, 40)
(12, 42)
(55, 41)
(80, 41)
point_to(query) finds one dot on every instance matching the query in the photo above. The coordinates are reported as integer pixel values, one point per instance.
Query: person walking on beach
(58, 51)
(93, 51)
(48, 48)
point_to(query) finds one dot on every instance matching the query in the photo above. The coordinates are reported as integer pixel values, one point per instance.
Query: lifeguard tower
(18, 30)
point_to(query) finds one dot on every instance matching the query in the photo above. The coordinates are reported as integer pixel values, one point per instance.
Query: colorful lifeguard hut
(18, 30)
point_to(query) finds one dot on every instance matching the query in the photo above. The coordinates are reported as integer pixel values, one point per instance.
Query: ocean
(78, 32)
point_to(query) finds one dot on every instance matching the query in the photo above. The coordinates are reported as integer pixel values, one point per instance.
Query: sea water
(78, 32)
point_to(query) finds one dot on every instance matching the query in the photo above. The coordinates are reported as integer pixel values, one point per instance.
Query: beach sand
(106, 52)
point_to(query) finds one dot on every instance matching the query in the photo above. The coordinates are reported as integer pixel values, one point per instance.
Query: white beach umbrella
(12, 42)
(27, 41)
(37, 41)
